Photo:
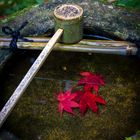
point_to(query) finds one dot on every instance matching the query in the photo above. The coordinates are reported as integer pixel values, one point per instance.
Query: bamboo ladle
(68, 20)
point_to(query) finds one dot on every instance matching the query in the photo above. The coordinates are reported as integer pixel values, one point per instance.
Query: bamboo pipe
(85, 45)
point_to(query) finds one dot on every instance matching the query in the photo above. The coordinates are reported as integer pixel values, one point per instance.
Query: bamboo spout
(85, 45)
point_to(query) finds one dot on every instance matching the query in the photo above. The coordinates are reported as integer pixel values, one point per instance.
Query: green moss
(14, 15)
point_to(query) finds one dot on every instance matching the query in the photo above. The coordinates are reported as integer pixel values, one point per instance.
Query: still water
(36, 115)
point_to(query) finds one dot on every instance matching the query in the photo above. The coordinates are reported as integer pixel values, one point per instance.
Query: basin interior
(36, 115)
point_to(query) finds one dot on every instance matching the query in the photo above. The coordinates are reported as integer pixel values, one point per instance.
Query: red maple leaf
(82, 97)
(66, 102)
(89, 100)
(91, 80)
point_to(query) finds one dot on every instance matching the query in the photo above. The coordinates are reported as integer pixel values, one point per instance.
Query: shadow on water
(36, 115)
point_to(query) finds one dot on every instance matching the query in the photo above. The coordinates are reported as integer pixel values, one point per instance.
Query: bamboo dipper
(68, 20)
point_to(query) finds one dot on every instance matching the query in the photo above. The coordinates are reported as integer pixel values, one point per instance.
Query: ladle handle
(6, 110)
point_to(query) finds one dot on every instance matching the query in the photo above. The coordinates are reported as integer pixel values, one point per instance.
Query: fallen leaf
(89, 100)
(66, 102)
(91, 81)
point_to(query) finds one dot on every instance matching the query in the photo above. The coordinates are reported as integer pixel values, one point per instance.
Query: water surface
(36, 115)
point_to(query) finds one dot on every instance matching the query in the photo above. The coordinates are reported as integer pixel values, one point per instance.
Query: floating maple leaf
(89, 100)
(66, 102)
(91, 80)
(82, 97)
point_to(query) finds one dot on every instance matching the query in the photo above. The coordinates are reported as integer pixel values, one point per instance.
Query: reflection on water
(36, 115)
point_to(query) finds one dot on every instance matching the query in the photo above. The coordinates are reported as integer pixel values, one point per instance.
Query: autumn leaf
(89, 100)
(83, 98)
(91, 80)
(66, 102)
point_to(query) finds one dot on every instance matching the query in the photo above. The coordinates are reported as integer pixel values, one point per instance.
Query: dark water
(36, 115)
